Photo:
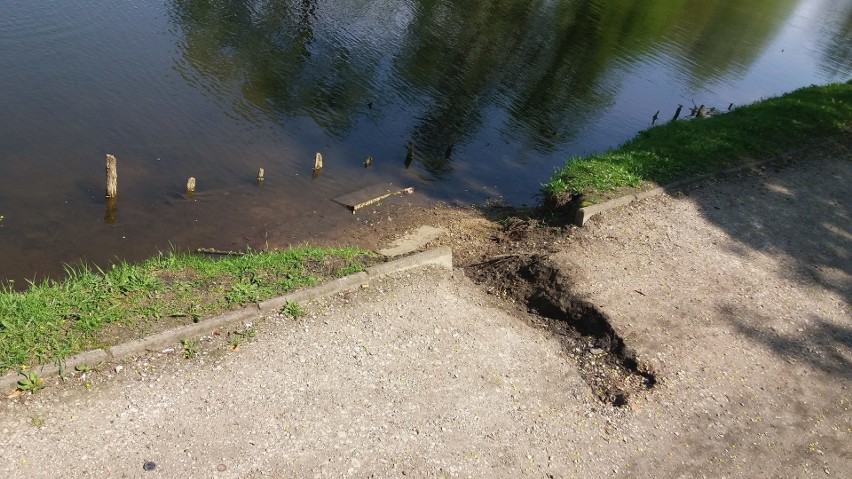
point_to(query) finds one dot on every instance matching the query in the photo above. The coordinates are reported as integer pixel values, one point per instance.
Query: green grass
(292, 309)
(92, 307)
(681, 149)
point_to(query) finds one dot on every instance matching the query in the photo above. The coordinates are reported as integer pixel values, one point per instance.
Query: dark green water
(492, 95)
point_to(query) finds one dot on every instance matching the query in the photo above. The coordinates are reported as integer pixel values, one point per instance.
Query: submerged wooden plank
(369, 195)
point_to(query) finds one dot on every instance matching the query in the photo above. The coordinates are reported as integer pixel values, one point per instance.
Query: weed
(248, 332)
(353, 268)
(292, 309)
(242, 292)
(239, 337)
(85, 368)
(190, 348)
(30, 382)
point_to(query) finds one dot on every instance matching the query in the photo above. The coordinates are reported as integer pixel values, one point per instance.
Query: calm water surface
(492, 95)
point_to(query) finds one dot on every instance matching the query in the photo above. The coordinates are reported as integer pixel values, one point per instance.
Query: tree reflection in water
(544, 68)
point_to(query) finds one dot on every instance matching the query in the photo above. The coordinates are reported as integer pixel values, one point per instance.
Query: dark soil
(604, 361)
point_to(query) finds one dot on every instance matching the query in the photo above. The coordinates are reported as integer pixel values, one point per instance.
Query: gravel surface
(419, 375)
(736, 294)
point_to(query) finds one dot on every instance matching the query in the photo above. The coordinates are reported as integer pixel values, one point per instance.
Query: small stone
(596, 351)
(221, 468)
(118, 369)
(149, 465)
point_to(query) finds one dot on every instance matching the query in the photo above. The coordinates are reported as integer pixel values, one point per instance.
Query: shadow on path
(822, 345)
(802, 213)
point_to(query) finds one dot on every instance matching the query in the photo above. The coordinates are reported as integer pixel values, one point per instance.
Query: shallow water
(491, 96)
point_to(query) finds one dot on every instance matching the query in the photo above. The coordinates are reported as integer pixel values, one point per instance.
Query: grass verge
(96, 308)
(681, 149)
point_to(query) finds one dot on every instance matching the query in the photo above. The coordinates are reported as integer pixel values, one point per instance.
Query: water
(492, 95)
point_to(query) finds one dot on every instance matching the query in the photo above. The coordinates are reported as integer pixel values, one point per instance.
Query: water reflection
(265, 56)
(461, 99)
(543, 69)
(836, 59)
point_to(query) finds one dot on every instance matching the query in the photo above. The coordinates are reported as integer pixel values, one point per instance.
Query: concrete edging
(583, 214)
(441, 257)
(87, 358)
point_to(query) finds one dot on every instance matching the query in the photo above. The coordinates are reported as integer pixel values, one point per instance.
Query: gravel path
(420, 375)
(736, 294)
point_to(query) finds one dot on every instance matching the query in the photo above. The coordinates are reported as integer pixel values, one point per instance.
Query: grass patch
(293, 310)
(95, 308)
(681, 149)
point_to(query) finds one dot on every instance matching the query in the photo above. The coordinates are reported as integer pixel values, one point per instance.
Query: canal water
(464, 101)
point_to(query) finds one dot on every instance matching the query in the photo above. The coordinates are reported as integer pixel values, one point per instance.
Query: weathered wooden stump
(111, 177)
(190, 187)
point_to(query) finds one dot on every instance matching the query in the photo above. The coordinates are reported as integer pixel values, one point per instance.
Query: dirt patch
(604, 361)
(505, 251)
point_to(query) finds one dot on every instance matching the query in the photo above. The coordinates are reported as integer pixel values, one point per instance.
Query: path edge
(440, 257)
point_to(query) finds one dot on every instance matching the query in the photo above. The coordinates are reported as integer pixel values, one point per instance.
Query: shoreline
(680, 150)
(470, 229)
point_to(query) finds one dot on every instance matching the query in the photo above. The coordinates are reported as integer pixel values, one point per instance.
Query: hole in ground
(603, 360)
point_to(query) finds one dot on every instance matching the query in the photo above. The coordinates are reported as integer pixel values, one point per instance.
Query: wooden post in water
(260, 176)
(190, 187)
(111, 189)
(111, 177)
(317, 165)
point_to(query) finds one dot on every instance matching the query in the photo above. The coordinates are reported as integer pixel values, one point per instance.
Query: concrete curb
(441, 257)
(88, 358)
(413, 241)
(583, 214)
(325, 289)
(166, 338)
